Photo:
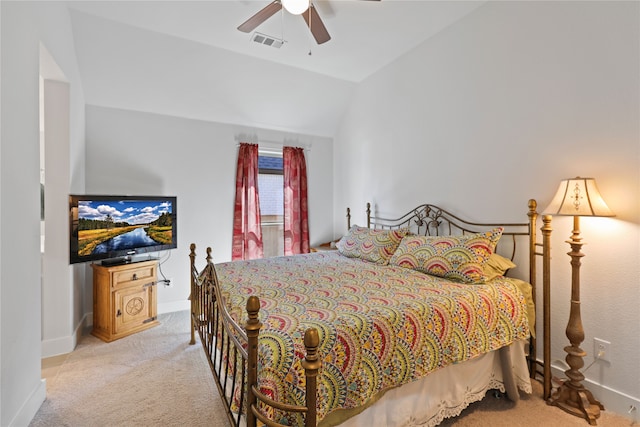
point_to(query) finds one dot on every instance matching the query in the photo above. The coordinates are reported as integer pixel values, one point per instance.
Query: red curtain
(296, 223)
(247, 231)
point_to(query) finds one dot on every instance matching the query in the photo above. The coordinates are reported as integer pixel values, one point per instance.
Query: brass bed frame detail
(232, 350)
(237, 350)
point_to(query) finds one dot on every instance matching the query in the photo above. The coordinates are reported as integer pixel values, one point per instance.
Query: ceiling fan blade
(315, 24)
(257, 19)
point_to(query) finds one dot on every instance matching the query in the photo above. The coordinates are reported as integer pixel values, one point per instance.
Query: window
(270, 185)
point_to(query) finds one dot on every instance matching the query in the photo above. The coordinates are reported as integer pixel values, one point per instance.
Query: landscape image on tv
(106, 226)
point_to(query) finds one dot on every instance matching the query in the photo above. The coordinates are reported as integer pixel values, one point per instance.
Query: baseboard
(613, 400)
(63, 345)
(82, 328)
(30, 406)
(170, 307)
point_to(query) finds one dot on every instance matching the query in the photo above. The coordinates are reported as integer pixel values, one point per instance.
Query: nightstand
(328, 246)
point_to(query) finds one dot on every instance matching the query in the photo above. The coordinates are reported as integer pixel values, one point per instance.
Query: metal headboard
(432, 220)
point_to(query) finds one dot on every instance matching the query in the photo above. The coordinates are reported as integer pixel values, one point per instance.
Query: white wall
(25, 25)
(492, 111)
(137, 153)
(498, 109)
(135, 69)
(165, 116)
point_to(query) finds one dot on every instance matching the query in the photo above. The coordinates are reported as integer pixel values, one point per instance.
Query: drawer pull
(135, 276)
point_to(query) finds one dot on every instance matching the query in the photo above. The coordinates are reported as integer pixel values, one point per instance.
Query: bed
(406, 323)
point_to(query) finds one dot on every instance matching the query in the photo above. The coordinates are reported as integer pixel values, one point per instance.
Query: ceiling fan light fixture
(295, 7)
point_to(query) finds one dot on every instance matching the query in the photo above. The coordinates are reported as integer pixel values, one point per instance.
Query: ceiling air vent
(267, 40)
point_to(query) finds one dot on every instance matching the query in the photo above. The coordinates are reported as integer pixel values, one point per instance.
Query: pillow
(460, 258)
(370, 244)
(496, 266)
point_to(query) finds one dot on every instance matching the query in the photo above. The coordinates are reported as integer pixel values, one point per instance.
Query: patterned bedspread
(379, 326)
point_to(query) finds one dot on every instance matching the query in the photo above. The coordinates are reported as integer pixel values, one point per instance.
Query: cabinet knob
(135, 276)
(118, 313)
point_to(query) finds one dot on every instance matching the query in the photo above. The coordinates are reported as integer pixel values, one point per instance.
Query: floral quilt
(380, 326)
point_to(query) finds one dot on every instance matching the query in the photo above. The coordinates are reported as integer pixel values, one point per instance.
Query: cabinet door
(135, 307)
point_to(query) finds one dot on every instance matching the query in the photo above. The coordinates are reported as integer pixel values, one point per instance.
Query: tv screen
(115, 228)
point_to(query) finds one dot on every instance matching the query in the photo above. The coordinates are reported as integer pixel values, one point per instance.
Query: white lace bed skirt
(444, 393)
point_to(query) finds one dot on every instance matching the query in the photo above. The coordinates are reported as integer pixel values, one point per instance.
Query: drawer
(138, 275)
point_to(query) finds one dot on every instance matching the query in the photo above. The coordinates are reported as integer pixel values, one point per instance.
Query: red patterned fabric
(247, 232)
(296, 223)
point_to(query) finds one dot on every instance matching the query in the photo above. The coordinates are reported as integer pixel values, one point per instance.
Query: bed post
(252, 327)
(546, 289)
(533, 217)
(348, 219)
(311, 365)
(193, 295)
(368, 215)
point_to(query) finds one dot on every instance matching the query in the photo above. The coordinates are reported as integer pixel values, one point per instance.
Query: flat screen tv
(117, 228)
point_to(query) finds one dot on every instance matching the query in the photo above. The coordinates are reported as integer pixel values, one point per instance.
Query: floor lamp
(576, 197)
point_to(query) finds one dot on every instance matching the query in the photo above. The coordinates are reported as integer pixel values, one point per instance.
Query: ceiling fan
(305, 8)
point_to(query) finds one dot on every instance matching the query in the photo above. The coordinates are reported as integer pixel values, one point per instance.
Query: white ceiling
(366, 35)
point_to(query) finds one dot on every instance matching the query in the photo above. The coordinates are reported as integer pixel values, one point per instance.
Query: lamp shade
(295, 7)
(578, 197)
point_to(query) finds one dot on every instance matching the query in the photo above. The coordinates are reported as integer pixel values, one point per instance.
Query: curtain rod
(267, 145)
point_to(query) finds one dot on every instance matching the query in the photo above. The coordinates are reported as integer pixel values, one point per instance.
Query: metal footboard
(223, 341)
(232, 352)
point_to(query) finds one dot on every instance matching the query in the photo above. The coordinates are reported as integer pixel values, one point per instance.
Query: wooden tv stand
(124, 299)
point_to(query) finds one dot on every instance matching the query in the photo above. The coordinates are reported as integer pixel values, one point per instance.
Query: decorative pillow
(370, 244)
(496, 266)
(459, 258)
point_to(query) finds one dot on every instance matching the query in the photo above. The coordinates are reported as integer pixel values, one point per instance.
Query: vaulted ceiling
(187, 58)
(366, 35)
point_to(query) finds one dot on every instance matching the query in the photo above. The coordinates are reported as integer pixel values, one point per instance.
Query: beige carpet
(530, 411)
(155, 378)
(152, 378)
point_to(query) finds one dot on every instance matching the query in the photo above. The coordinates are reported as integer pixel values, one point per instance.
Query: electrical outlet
(602, 350)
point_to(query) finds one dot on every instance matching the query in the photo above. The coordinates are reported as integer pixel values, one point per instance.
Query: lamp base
(577, 401)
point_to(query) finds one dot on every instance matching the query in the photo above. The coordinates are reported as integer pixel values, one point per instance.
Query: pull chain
(282, 23)
(310, 28)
